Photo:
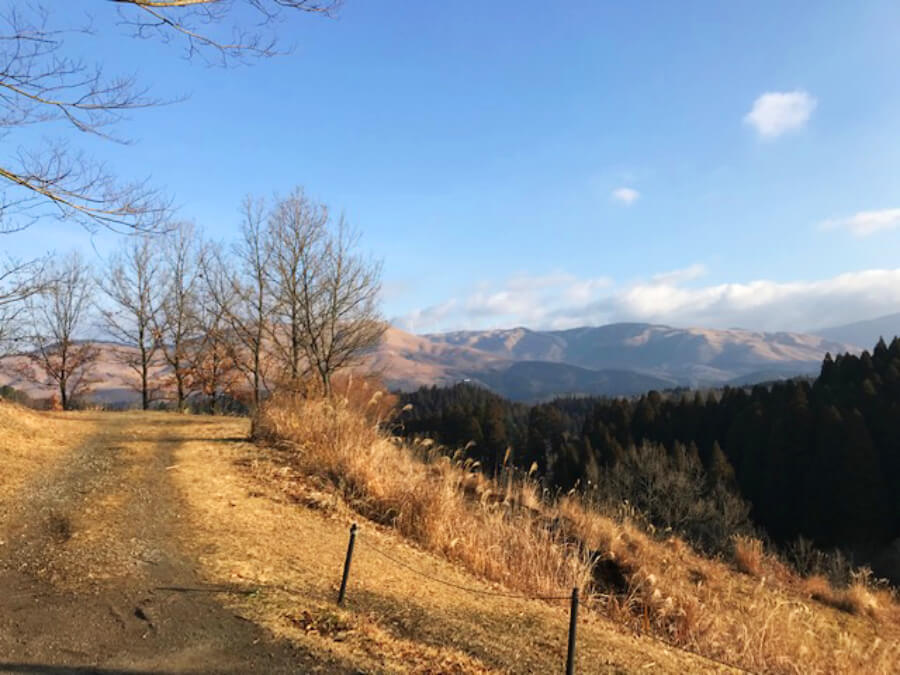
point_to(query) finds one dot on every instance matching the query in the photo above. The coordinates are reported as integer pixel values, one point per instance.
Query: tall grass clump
(443, 504)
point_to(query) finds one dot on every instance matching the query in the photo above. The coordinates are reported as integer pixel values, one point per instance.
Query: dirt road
(98, 573)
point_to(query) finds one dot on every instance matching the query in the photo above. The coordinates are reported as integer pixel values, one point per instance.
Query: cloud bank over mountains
(559, 301)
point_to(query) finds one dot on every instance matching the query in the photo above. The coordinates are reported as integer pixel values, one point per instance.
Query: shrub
(672, 493)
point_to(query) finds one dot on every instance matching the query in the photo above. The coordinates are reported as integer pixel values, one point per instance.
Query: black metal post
(347, 560)
(573, 625)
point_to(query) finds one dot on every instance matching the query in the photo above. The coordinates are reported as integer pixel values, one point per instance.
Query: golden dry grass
(748, 555)
(445, 506)
(765, 619)
(256, 522)
(32, 443)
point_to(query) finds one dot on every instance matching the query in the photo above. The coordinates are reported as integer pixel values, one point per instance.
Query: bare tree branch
(42, 84)
(194, 22)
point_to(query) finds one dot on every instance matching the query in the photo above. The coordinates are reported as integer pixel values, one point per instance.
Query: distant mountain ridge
(677, 356)
(619, 359)
(864, 334)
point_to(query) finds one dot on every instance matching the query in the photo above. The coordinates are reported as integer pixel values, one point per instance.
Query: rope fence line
(573, 598)
(467, 589)
(517, 596)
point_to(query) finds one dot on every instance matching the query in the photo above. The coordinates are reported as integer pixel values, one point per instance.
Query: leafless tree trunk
(59, 313)
(133, 284)
(238, 285)
(340, 316)
(176, 325)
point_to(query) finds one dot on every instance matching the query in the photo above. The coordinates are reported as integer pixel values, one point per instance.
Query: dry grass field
(126, 507)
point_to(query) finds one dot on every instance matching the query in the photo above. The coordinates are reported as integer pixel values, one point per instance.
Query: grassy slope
(262, 526)
(765, 619)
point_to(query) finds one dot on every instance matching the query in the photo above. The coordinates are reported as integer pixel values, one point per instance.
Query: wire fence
(573, 598)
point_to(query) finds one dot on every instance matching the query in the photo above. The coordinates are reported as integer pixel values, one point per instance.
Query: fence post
(347, 560)
(573, 625)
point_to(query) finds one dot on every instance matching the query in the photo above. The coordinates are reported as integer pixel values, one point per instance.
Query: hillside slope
(754, 612)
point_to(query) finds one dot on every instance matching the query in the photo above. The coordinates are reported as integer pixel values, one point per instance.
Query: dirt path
(95, 573)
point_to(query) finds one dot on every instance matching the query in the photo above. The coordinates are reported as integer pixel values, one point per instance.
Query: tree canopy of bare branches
(340, 320)
(43, 83)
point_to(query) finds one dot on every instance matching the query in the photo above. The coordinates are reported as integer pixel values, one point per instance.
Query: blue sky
(554, 164)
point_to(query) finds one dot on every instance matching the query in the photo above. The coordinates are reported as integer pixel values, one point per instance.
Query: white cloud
(423, 320)
(690, 273)
(520, 300)
(664, 298)
(864, 223)
(777, 112)
(760, 305)
(625, 195)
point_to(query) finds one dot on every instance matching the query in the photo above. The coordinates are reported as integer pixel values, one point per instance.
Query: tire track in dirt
(90, 556)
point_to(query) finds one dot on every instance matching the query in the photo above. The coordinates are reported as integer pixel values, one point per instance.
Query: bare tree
(237, 284)
(175, 327)
(296, 230)
(212, 355)
(133, 284)
(19, 281)
(340, 317)
(326, 312)
(58, 314)
(43, 83)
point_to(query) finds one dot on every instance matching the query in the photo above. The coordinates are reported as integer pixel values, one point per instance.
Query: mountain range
(616, 359)
(864, 333)
(619, 359)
